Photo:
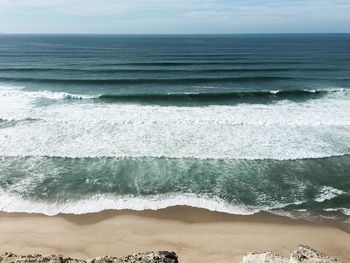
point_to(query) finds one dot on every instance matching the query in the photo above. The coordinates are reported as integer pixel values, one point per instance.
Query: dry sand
(196, 235)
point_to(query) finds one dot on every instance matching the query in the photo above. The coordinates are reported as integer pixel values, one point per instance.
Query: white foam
(345, 211)
(327, 193)
(16, 104)
(14, 203)
(285, 130)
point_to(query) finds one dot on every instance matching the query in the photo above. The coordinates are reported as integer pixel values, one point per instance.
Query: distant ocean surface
(231, 123)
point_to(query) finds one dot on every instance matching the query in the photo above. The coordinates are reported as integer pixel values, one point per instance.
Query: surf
(83, 128)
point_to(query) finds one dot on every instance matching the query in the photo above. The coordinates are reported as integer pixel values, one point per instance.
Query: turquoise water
(237, 124)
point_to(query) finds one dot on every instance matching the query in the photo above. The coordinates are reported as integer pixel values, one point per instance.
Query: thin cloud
(181, 16)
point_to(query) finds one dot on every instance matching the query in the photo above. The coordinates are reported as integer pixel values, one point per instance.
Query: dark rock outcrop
(149, 257)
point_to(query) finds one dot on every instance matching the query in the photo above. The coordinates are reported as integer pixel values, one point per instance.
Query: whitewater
(245, 131)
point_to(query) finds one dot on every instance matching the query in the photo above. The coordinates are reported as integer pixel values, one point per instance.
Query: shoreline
(195, 234)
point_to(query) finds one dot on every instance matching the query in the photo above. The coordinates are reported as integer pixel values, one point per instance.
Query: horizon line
(170, 34)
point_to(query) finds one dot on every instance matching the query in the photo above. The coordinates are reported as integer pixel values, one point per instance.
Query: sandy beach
(196, 235)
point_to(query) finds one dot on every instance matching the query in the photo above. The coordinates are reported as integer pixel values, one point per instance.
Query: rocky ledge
(150, 257)
(303, 254)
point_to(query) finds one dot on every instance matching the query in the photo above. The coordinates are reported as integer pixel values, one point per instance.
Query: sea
(231, 123)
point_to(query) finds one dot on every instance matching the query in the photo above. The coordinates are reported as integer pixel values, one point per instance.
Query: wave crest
(215, 97)
(175, 98)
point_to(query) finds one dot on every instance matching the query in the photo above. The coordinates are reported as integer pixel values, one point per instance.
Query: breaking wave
(242, 131)
(184, 98)
(216, 98)
(14, 203)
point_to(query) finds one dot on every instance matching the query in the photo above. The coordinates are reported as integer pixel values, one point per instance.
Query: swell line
(160, 70)
(168, 81)
(193, 63)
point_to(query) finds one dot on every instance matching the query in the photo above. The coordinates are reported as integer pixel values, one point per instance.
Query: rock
(149, 257)
(306, 254)
(303, 254)
(264, 257)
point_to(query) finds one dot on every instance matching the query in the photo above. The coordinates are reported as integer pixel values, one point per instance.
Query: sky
(174, 16)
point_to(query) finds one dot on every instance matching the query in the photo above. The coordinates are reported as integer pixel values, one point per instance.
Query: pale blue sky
(174, 16)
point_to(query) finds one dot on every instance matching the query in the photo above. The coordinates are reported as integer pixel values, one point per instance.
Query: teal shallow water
(234, 186)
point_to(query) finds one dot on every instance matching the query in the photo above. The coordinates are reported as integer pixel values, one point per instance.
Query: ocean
(231, 123)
